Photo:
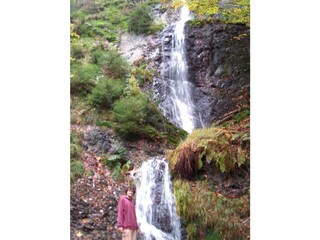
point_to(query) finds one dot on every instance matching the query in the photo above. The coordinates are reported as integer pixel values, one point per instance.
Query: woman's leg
(126, 234)
(134, 235)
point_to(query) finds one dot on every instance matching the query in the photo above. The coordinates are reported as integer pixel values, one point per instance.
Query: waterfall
(178, 104)
(155, 202)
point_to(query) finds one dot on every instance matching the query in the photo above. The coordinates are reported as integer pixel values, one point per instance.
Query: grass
(217, 215)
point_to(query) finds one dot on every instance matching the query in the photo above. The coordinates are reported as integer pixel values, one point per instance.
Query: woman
(127, 220)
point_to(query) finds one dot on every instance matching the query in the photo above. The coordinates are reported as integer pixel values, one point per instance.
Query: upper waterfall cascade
(178, 103)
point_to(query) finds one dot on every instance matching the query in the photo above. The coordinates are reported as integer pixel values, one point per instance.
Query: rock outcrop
(218, 57)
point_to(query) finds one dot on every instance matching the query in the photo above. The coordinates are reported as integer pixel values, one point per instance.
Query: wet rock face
(161, 219)
(160, 213)
(218, 57)
(160, 85)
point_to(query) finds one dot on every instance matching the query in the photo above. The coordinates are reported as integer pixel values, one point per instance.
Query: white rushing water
(179, 90)
(155, 202)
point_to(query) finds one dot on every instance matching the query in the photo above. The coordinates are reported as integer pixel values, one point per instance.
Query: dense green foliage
(131, 114)
(200, 7)
(220, 217)
(141, 74)
(100, 19)
(83, 77)
(140, 19)
(136, 116)
(77, 51)
(105, 93)
(111, 62)
(234, 11)
(238, 11)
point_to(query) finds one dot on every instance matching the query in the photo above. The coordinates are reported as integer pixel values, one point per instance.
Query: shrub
(133, 88)
(96, 55)
(78, 17)
(93, 28)
(156, 27)
(113, 65)
(130, 114)
(137, 116)
(105, 93)
(140, 19)
(83, 77)
(77, 51)
(142, 74)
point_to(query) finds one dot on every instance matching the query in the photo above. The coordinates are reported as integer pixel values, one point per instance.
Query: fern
(220, 145)
(116, 173)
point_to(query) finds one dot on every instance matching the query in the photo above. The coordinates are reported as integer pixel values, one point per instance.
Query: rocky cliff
(219, 66)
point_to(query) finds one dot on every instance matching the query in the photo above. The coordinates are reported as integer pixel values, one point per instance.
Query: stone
(219, 67)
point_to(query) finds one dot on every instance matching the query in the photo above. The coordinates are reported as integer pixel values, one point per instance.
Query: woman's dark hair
(132, 188)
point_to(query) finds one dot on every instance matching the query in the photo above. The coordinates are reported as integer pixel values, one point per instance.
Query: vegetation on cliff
(225, 147)
(209, 214)
(234, 11)
(205, 157)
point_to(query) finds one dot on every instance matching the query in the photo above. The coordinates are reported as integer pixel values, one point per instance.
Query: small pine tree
(140, 19)
(106, 92)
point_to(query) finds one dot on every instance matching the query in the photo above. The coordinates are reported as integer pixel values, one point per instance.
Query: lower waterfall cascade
(155, 202)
